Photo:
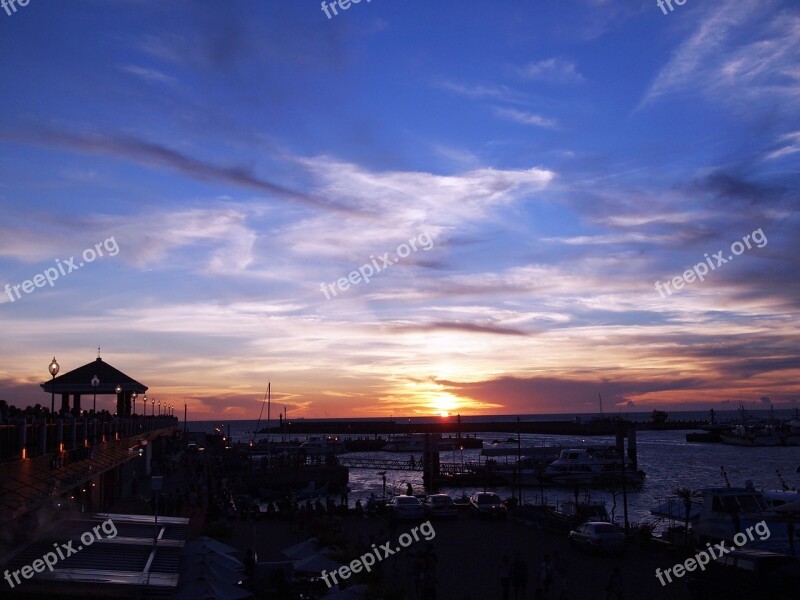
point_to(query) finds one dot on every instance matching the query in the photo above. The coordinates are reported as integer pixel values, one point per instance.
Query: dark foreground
(469, 553)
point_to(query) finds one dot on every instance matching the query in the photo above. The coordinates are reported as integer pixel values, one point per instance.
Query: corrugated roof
(129, 560)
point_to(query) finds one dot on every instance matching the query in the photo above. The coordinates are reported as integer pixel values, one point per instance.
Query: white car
(602, 536)
(405, 507)
(440, 505)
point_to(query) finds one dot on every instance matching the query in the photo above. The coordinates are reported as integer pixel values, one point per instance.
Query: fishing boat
(767, 433)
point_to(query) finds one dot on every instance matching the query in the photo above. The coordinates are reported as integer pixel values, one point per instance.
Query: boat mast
(269, 406)
(260, 414)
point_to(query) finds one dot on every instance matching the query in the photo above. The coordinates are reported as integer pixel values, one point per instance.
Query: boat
(767, 433)
(322, 444)
(528, 470)
(405, 443)
(592, 467)
(760, 435)
(460, 443)
(554, 466)
(728, 511)
(364, 445)
(569, 516)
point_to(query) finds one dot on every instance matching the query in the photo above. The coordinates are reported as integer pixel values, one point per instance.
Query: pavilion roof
(80, 380)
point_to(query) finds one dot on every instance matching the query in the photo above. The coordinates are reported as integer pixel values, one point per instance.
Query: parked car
(487, 504)
(405, 507)
(598, 535)
(440, 506)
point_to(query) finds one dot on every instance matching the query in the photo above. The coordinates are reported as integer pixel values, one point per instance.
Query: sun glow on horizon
(444, 403)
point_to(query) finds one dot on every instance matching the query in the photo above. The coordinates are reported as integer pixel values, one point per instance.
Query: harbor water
(668, 460)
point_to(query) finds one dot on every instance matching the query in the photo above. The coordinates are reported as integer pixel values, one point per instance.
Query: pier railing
(467, 467)
(27, 438)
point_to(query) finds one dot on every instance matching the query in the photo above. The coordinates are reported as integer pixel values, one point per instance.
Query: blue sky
(562, 157)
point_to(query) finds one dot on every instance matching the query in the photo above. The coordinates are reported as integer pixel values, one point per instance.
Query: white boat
(573, 466)
(405, 443)
(726, 511)
(321, 444)
(771, 432)
(591, 466)
(753, 435)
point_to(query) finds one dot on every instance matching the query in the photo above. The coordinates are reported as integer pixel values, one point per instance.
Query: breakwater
(388, 427)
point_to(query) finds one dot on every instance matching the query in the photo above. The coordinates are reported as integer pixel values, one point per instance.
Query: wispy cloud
(551, 70)
(149, 75)
(525, 118)
(492, 92)
(790, 144)
(737, 51)
(155, 155)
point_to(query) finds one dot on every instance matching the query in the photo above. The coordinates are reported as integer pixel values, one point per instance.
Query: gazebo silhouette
(78, 382)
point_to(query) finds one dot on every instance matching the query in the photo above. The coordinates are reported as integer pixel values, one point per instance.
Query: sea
(669, 461)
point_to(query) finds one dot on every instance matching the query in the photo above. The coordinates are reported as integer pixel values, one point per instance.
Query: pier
(448, 425)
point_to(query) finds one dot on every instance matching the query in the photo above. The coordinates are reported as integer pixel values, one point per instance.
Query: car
(598, 535)
(487, 504)
(440, 506)
(405, 507)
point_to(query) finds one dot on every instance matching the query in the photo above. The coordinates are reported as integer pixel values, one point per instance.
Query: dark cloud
(726, 188)
(151, 154)
(561, 395)
(459, 326)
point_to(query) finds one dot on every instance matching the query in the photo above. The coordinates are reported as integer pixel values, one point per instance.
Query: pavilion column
(42, 436)
(64, 402)
(59, 433)
(127, 404)
(73, 433)
(22, 432)
(76, 404)
(120, 405)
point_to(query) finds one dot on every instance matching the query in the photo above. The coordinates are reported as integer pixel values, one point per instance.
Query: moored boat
(592, 467)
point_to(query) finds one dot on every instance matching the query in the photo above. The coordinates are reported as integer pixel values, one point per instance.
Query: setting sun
(444, 404)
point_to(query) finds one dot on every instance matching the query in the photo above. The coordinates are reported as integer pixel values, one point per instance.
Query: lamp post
(153, 410)
(53, 371)
(144, 410)
(159, 408)
(118, 389)
(135, 393)
(95, 383)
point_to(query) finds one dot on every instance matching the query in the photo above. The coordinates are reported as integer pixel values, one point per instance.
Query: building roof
(79, 380)
(128, 565)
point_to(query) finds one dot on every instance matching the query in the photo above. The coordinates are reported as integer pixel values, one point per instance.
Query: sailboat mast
(269, 406)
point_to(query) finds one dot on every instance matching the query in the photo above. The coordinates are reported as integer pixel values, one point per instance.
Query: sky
(404, 208)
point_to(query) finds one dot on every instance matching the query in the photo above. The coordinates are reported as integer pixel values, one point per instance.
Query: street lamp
(159, 408)
(144, 411)
(153, 410)
(118, 389)
(95, 383)
(135, 393)
(53, 371)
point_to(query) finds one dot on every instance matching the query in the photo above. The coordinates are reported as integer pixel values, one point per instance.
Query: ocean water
(668, 460)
